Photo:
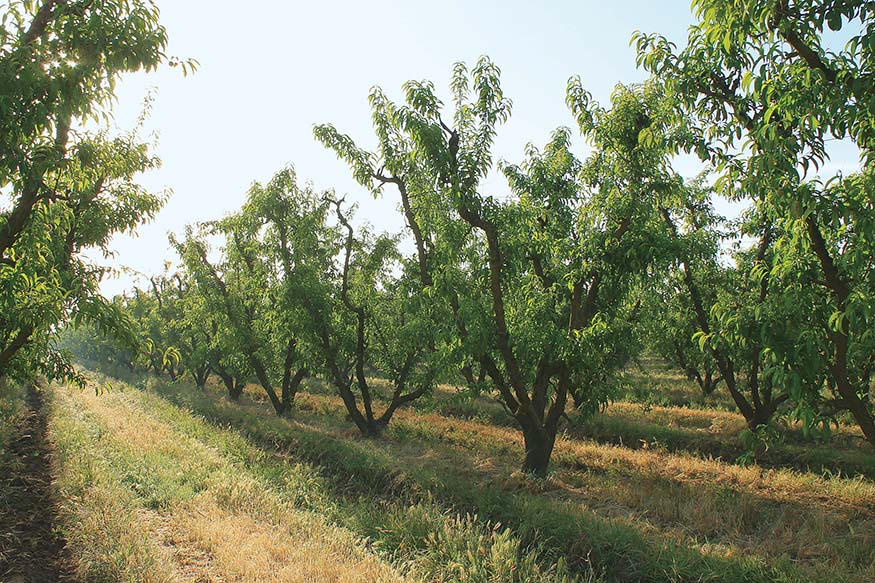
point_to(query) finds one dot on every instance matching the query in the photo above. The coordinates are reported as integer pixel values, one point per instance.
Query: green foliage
(69, 191)
(763, 82)
(275, 249)
(537, 283)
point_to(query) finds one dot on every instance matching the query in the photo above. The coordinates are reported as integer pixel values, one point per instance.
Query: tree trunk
(200, 376)
(291, 384)
(468, 375)
(263, 379)
(233, 384)
(761, 417)
(374, 429)
(539, 447)
(853, 402)
(709, 383)
(841, 292)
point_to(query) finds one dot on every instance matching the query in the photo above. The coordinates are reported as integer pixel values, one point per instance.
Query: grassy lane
(691, 428)
(148, 503)
(212, 502)
(105, 523)
(826, 525)
(776, 516)
(468, 466)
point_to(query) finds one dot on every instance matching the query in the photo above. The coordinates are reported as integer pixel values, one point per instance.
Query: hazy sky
(269, 70)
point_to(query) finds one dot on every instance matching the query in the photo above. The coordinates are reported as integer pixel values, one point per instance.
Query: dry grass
(806, 525)
(781, 485)
(826, 524)
(235, 527)
(101, 517)
(244, 548)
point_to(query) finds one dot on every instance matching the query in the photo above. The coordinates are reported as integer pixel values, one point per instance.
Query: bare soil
(31, 548)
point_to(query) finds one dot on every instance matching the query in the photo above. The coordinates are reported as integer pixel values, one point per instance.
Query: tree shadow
(32, 549)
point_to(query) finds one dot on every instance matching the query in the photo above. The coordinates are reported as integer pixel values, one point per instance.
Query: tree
(532, 281)
(278, 251)
(68, 190)
(215, 342)
(85, 342)
(175, 325)
(744, 321)
(239, 288)
(45, 279)
(382, 322)
(669, 319)
(764, 81)
(292, 289)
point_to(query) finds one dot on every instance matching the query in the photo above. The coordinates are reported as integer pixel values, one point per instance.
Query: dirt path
(31, 549)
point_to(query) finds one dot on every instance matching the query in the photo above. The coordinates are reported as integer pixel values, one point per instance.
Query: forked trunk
(373, 428)
(201, 375)
(290, 387)
(761, 418)
(278, 405)
(709, 382)
(232, 384)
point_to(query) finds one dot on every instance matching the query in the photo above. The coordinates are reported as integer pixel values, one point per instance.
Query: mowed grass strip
(624, 547)
(853, 496)
(422, 540)
(100, 516)
(124, 472)
(693, 428)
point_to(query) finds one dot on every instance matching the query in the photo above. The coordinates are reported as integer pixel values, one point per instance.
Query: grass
(700, 426)
(104, 522)
(174, 502)
(578, 513)
(12, 407)
(203, 498)
(648, 513)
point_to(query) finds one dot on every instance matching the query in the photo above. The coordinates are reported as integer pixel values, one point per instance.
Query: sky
(269, 70)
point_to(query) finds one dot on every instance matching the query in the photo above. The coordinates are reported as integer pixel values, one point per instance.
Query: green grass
(421, 538)
(659, 427)
(645, 514)
(676, 418)
(99, 514)
(12, 406)
(562, 529)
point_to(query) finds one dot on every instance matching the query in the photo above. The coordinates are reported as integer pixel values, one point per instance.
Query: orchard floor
(158, 481)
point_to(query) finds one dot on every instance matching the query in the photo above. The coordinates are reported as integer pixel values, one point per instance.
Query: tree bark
(234, 385)
(841, 292)
(539, 447)
(264, 380)
(21, 339)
